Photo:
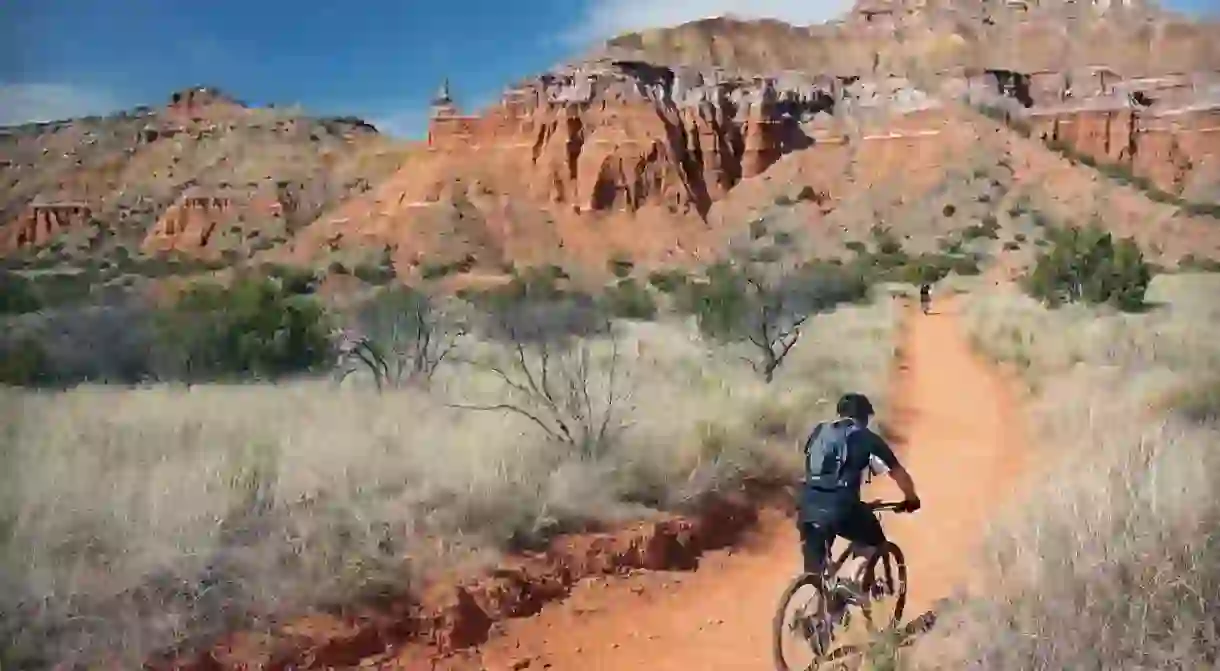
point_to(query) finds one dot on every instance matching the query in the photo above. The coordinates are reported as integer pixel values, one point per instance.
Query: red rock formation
(189, 224)
(1162, 147)
(40, 223)
(547, 169)
(622, 136)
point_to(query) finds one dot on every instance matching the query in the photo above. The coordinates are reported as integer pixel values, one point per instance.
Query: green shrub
(620, 267)
(988, 228)
(1087, 265)
(719, 303)
(537, 285)
(17, 294)
(438, 270)
(1203, 209)
(254, 327)
(950, 245)
(58, 289)
(1200, 401)
(667, 281)
(627, 299)
(766, 306)
(378, 275)
(808, 193)
(24, 362)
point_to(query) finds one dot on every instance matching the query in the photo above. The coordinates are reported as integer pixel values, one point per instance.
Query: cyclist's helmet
(856, 406)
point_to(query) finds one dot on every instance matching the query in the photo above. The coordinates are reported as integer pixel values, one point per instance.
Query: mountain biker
(925, 296)
(836, 456)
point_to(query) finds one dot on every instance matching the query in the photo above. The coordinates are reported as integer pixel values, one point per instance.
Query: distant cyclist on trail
(836, 456)
(925, 297)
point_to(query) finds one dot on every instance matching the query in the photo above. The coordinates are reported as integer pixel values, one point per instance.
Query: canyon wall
(1170, 146)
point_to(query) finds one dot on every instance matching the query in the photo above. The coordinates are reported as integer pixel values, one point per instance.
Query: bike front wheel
(888, 592)
(799, 631)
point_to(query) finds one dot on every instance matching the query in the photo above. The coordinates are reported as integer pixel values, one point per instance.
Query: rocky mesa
(659, 145)
(640, 148)
(204, 174)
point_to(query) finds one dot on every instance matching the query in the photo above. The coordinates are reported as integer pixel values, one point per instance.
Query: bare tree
(403, 338)
(765, 293)
(549, 372)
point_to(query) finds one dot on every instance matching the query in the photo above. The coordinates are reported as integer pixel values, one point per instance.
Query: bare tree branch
(555, 382)
(404, 338)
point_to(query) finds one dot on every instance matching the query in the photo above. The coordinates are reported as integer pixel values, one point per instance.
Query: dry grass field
(142, 517)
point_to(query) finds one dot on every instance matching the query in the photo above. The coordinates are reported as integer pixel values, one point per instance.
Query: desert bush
(988, 229)
(1087, 265)
(627, 299)
(556, 382)
(765, 304)
(17, 294)
(24, 362)
(375, 274)
(668, 281)
(111, 341)
(291, 280)
(1192, 263)
(1203, 209)
(254, 327)
(403, 336)
(1113, 562)
(620, 267)
(441, 269)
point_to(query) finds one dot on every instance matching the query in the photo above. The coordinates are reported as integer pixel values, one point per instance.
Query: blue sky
(379, 59)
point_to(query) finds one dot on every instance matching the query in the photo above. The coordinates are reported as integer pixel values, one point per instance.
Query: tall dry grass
(138, 518)
(1113, 561)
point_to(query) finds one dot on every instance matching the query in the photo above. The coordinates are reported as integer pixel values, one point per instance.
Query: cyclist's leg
(862, 528)
(816, 540)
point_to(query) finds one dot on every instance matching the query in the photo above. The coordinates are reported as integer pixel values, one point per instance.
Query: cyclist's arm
(895, 469)
(905, 482)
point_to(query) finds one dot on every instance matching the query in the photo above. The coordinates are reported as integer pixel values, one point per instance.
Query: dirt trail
(958, 434)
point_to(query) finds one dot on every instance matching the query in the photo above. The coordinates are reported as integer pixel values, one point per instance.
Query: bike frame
(831, 571)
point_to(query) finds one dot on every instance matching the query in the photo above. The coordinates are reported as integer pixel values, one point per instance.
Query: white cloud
(24, 103)
(606, 18)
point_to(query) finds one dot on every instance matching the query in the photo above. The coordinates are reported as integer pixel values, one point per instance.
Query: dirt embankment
(572, 607)
(452, 615)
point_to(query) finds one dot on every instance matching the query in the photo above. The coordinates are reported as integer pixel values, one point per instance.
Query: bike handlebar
(891, 506)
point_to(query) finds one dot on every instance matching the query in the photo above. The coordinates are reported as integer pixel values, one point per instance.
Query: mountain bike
(832, 600)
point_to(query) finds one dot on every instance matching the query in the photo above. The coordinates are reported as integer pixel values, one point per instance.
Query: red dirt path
(959, 434)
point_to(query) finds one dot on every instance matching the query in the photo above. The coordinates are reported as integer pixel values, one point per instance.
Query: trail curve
(959, 432)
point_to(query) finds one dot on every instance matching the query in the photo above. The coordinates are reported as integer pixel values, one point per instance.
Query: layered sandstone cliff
(149, 178)
(561, 157)
(910, 37)
(41, 223)
(615, 135)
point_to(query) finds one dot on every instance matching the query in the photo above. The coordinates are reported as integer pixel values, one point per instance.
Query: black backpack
(826, 452)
